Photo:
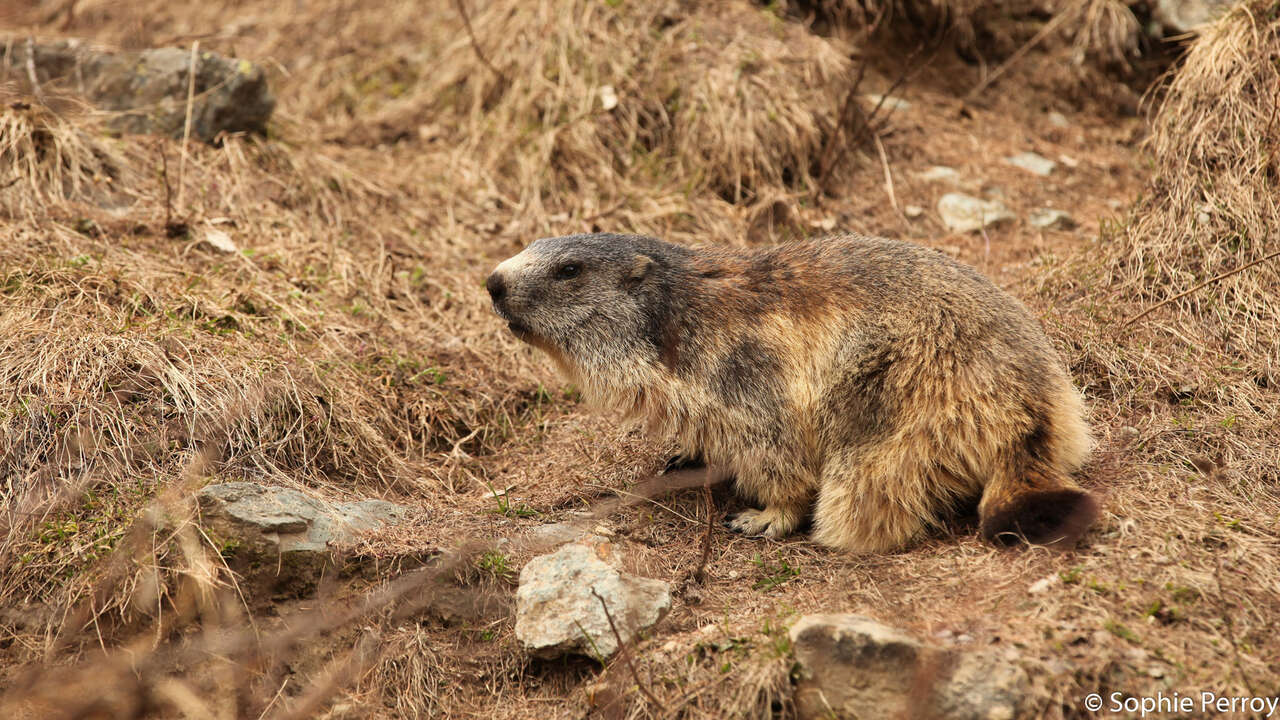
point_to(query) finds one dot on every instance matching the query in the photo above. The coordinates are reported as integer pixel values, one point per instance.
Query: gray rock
(557, 534)
(1050, 219)
(981, 687)
(557, 614)
(854, 667)
(1184, 16)
(1059, 120)
(940, 173)
(1032, 163)
(965, 213)
(147, 90)
(913, 211)
(887, 102)
(283, 537)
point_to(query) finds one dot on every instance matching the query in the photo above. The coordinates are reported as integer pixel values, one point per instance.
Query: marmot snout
(876, 382)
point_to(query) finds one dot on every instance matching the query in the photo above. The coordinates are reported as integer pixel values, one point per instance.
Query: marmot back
(878, 382)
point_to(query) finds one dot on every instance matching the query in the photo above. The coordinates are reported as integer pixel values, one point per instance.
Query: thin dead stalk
(1210, 281)
(186, 126)
(475, 44)
(31, 70)
(1018, 54)
(827, 159)
(888, 176)
(699, 574)
(170, 227)
(626, 656)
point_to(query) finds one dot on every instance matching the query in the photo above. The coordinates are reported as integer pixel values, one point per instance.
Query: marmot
(879, 382)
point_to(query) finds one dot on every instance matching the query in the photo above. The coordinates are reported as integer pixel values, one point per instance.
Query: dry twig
(626, 656)
(1018, 54)
(475, 44)
(186, 125)
(1210, 281)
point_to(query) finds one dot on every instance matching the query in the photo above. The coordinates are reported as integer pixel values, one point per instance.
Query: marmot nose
(496, 286)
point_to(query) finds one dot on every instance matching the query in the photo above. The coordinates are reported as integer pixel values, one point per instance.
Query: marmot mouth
(518, 330)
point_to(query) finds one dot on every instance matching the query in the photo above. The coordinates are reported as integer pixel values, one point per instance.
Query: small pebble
(887, 103)
(939, 173)
(1033, 163)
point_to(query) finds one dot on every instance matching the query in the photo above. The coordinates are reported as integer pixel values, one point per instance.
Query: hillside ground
(347, 347)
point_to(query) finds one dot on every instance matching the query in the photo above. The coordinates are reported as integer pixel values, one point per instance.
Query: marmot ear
(639, 269)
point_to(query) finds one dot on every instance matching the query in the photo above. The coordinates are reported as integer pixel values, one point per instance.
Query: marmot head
(585, 299)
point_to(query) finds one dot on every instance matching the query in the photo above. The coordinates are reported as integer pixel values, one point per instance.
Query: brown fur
(877, 382)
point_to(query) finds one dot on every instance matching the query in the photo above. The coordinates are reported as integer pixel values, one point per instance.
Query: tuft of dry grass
(1097, 29)
(725, 102)
(1212, 205)
(1105, 31)
(51, 152)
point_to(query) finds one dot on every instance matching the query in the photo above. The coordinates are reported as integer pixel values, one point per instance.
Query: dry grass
(1105, 31)
(347, 349)
(1189, 389)
(51, 155)
(1213, 205)
(1096, 30)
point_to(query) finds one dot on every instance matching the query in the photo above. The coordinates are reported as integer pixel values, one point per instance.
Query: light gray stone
(1184, 16)
(561, 533)
(556, 533)
(284, 537)
(940, 173)
(887, 102)
(965, 213)
(147, 90)
(854, 667)
(218, 240)
(557, 614)
(1033, 163)
(1050, 219)
(913, 211)
(982, 688)
(1059, 120)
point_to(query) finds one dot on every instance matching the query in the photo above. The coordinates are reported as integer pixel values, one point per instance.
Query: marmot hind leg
(872, 501)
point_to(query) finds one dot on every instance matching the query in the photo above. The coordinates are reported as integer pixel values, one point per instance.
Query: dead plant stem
(626, 656)
(1210, 281)
(475, 44)
(186, 125)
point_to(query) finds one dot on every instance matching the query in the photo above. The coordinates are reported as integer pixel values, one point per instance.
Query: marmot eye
(568, 270)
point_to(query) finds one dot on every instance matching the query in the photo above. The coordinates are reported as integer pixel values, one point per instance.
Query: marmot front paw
(769, 523)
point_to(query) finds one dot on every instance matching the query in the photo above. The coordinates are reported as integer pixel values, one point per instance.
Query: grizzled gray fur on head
(874, 382)
(593, 297)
